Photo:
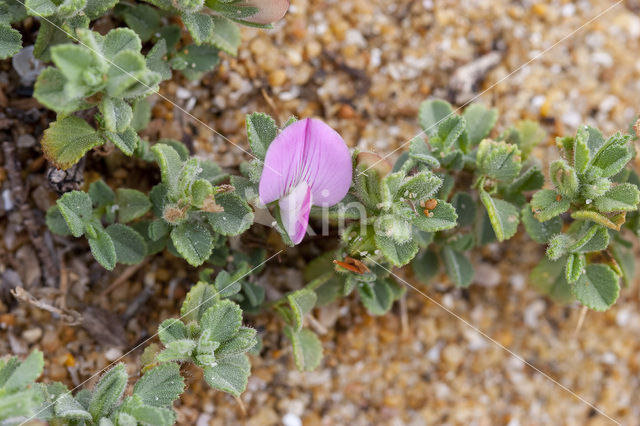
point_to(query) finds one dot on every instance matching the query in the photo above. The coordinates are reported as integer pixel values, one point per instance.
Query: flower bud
(270, 10)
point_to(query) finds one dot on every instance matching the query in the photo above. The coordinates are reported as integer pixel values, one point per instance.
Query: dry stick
(583, 314)
(19, 194)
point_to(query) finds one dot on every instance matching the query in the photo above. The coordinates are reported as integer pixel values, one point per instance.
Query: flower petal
(310, 151)
(294, 211)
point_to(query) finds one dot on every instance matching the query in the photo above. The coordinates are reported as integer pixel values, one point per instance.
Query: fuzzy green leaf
(576, 262)
(49, 91)
(75, 207)
(108, 391)
(549, 278)
(24, 403)
(623, 197)
(56, 222)
(143, 19)
(193, 242)
(443, 217)
(171, 330)
(160, 386)
(376, 296)
(117, 114)
(67, 408)
(22, 374)
(420, 186)
(302, 302)
(101, 195)
(504, 216)
(449, 131)
(236, 218)
(129, 245)
(170, 165)
(613, 156)
(96, 8)
(200, 298)
(540, 232)
(242, 342)
(547, 204)
(397, 254)
(157, 62)
(431, 113)
(41, 8)
(126, 69)
(10, 41)
(132, 204)
(595, 238)
(67, 140)
(425, 266)
(499, 160)
(226, 35)
(230, 374)
(141, 114)
(465, 208)
(564, 178)
(261, 131)
(458, 267)
(200, 26)
(127, 141)
(480, 120)
(222, 320)
(103, 249)
(598, 288)
(307, 348)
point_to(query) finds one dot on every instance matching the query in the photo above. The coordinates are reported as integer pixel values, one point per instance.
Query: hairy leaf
(230, 374)
(307, 348)
(598, 288)
(67, 140)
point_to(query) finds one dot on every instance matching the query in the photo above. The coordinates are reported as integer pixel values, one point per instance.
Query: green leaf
(67, 140)
(397, 254)
(41, 8)
(598, 288)
(465, 208)
(261, 131)
(117, 114)
(178, 350)
(420, 186)
(480, 120)
(564, 178)
(20, 404)
(193, 60)
(129, 245)
(108, 391)
(222, 320)
(120, 39)
(200, 298)
(443, 217)
(596, 238)
(450, 130)
(540, 232)
(548, 277)
(626, 261)
(79, 65)
(547, 204)
(141, 114)
(23, 373)
(499, 160)
(576, 263)
(103, 249)
(307, 348)
(10, 41)
(193, 242)
(613, 155)
(230, 374)
(240, 343)
(49, 91)
(75, 207)
(376, 296)
(236, 218)
(126, 69)
(592, 138)
(171, 330)
(504, 216)
(68, 408)
(132, 204)
(425, 266)
(431, 113)
(458, 267)
(158, 416)
(226, 35)
(623, 197)
(170, 166)
(527, 135)
(157, 62)
(56, 222)
(529, 180)
(96, 8)
(101, 195)
(160, 386)
(143, 19)
(127, 141)
(200, 26)
(611, 221)
(302, 302)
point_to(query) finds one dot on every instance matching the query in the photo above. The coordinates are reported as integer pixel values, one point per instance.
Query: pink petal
(270, 10)
(294, 211)
(310, 151)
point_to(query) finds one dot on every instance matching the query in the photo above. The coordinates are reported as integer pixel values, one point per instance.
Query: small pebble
(32, 335)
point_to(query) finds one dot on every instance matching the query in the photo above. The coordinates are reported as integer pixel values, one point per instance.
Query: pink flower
(270, 10)
(307, 164)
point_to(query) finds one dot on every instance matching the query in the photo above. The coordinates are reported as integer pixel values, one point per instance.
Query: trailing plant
(209, 334)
